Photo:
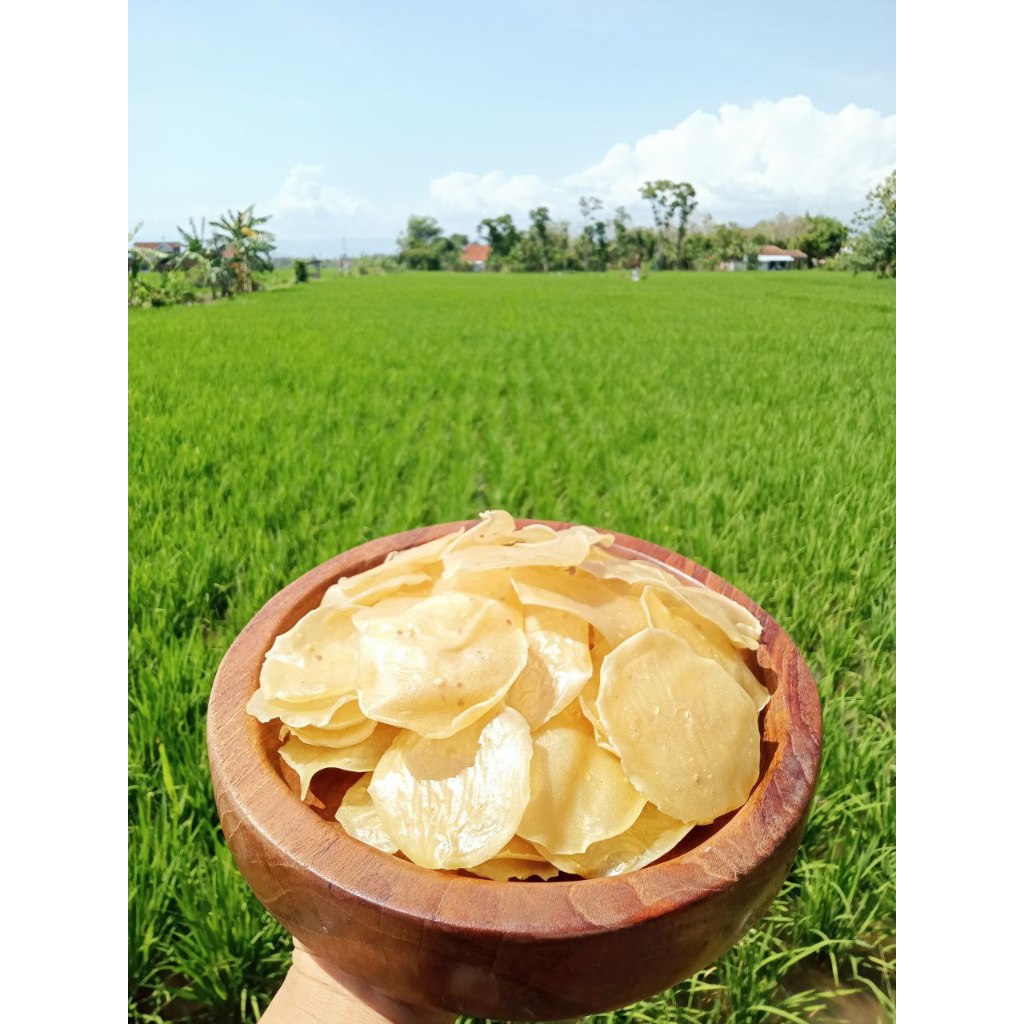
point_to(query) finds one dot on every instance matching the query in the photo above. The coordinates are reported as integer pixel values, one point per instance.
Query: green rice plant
(251, 950)
(745, 420)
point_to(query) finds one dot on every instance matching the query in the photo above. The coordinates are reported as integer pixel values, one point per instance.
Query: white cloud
(310, 215)
(745, 163)
(303, 191)
(462, 192)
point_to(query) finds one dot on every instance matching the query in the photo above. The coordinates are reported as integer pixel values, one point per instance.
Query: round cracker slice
(521, 849)
(456, 802)
(588, 705)
(347, 715)
(508, 869)
(557, 667)
(359, 818)
(315, 659)
(706, 640)
(597, 540)
(607, 605)
(423, 558)
(578, 792)
(395, 604)
(439, 666)
(567, 547)
(687, 734)
(740, 626)
(651, 836)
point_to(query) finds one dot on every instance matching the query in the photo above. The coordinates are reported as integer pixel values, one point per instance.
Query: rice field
(746, 420)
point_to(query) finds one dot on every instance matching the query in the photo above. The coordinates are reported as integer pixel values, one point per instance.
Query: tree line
(601, 241)
(228, 257)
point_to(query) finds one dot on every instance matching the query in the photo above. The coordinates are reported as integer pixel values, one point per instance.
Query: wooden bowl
(511, 950)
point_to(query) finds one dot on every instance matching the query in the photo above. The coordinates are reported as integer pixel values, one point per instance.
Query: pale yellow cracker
(438, 666)
(651, 836)
(578, 792)
(687, 734)
(312, 661)
(557, 667)
(607, 604)
(456, 802)
(705, 639)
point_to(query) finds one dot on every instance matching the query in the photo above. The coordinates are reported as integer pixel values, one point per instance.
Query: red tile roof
(474, 253)
(774, 250)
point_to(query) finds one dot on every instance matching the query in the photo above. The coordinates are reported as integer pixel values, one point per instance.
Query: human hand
(315, 991)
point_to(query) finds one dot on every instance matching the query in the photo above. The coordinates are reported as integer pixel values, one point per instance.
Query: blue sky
(340, 119)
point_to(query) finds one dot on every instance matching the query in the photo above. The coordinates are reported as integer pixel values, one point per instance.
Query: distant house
(163, 253)
(771, 257)
(170, 248)
(476, 254)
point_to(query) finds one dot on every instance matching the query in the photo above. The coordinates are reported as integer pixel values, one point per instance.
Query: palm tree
(245, 245)
(205, 258)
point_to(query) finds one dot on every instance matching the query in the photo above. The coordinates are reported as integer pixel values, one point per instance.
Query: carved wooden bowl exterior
(511, 950)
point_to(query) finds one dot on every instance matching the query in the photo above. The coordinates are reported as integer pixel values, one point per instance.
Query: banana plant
(204, 258)
(245, 244)
(140, 259)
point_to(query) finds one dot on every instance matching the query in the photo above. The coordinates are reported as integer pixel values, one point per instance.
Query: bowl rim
(776, 807)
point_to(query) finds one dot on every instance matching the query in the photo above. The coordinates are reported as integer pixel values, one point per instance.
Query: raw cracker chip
(588, 698)
(419, 560)
(565, 548)
(687, 734)
(456, 802)
(496, 526)
(417, 582)
(651, 836)
(313, 661)
(493, 583)
(606, 565)
(739, 625)
(438, 666)
(578, 792)
(557, 667)
(607, 605)
(706, 640)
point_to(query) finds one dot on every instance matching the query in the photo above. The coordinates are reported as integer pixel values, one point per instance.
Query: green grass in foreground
(746, 420)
